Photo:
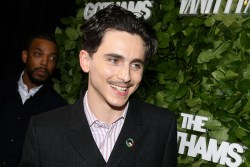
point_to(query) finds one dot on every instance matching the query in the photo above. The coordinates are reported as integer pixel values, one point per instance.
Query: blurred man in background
(26, 95)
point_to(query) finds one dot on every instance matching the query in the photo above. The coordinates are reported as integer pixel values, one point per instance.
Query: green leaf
(245, 40)
(199, 163)
(196, 21)
(231, 75)
(228, 88)
(181, 91)
(243, 85)
(168, 5)
(57, 88)
(174, 28)
(189, 50)
(193, 102)
(157, 26)
(246, 73)
(180, 77)
(163, 39)
(213, 124)
(247, 156)
(169, 16)
(241, 134)
(229, 103)
(218, 75)
(228, 19)
(221, 48)
(66, 21)
(174, 105)
(224, 117)
(170, 95)
(80, 13)
(206, 56)
(241, 124)
(69, 45)
(219, 134)
(209, 22)
(71, 33)
(246, 108)
(162, 67)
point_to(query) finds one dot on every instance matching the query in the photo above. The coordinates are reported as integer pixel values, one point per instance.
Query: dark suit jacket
(62, 138)
(15, 116)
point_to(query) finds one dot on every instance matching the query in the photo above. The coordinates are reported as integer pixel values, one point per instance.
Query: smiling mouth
(118, 88)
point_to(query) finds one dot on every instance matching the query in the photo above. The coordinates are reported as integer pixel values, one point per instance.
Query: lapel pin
(130, 142)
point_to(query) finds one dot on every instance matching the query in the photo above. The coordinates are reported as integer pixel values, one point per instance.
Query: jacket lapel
(80, 137)
(133, 128)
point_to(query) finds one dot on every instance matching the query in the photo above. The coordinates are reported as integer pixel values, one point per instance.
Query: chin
(39, 81)
(118, 104)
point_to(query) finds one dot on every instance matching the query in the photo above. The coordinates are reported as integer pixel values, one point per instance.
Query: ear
(84, 60)
(24, 56)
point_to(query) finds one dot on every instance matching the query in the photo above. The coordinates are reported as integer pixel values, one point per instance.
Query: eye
(53, 58)
(114, 60)
(136, 66)
(37, 54)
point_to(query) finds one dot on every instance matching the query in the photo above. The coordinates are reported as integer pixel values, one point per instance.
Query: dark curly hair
(118, 18)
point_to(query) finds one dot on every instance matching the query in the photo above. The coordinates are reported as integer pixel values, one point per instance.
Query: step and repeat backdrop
(201, 72)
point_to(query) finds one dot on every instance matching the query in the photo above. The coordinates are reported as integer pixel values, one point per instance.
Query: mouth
(42, 72)
(119, 89)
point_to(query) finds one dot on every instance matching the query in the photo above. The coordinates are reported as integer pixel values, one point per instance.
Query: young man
(106, 127)
(26, 95)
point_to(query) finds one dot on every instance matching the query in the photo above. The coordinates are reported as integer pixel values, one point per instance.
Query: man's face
(40, 60)
(115, 70)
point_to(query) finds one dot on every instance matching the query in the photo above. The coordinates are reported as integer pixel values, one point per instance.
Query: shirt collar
(24, 87)
(91, 117)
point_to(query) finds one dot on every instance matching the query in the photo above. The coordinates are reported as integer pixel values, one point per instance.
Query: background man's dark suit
(15, 116)
(64, 139)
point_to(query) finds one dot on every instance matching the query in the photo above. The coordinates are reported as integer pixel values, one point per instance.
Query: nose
(124, 74)
(44, 60)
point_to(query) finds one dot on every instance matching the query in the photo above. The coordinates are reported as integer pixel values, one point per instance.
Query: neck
(104, 112)
(27, 82)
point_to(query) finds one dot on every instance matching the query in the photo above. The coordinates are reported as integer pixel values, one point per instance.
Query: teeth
(119, 88)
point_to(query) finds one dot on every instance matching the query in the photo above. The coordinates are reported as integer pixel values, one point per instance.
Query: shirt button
(18, 118)
(12, 140)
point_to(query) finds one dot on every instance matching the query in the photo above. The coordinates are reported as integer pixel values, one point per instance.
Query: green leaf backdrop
(202, 67)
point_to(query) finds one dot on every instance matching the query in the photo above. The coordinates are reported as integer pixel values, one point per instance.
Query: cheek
(137, 76)
(102, 69)
(138, 79)
(32, 64)
(51, 67)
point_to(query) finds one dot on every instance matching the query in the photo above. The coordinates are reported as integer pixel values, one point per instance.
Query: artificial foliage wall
(202, 68)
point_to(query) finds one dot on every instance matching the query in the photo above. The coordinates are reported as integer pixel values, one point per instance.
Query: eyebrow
(38, 49)
(117, 56)
(41, 50)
